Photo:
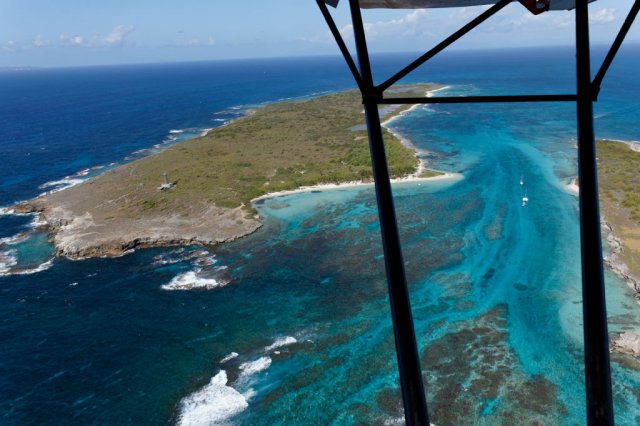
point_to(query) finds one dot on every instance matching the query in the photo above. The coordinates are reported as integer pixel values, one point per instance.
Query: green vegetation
(427, 173)
(619, 176)
(148, 204)
(619, 184)
(281, 146)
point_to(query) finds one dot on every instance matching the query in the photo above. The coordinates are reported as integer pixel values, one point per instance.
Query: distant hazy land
(279, 147)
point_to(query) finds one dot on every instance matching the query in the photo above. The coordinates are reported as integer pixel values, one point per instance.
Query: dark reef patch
(474, 377)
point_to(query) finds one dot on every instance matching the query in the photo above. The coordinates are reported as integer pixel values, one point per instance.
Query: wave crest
(191, 281)
(214, 404)
(280, 342)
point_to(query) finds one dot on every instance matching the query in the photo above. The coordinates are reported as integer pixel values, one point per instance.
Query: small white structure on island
(166, 184)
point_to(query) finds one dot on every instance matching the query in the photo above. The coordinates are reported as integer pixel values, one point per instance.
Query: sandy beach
(572, 187)
(334, 186)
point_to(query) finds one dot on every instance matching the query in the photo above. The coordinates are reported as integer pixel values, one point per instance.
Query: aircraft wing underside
(534, 6)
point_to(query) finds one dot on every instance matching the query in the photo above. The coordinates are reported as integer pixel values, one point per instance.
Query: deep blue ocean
(301, 334)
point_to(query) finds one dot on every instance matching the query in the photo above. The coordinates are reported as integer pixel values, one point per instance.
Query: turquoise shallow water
(295, 327)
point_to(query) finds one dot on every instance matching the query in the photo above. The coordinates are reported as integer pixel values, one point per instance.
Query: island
(200, 191)
(619, 184)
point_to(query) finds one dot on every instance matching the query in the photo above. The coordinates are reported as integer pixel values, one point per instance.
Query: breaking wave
(229, 357)
(61, 184)
(252, 367)
(7, 261)
(281, 342)
(214, 404)
(42, 267)
(204, 276)
(191, 281)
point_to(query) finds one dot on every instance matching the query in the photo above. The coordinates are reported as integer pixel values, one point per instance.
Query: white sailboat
(525, 199)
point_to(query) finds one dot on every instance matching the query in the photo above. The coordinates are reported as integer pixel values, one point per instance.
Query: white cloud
(434, 24)
(117, 35)
(74, 40)
(211, 41)
(602, 16)
(8, 45)
(40, 41)
(114, 38)
(409, 25)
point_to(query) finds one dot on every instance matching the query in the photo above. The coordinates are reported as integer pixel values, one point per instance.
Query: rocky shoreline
(79, 236)
(612, 260)
(627, 342)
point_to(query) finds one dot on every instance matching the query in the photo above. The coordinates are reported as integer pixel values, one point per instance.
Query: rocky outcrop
(627, 343)
(613, 261)
(78, 235)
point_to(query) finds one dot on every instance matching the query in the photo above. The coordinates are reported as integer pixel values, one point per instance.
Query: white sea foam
(161, 261)
(214, 404)
(7, 261)
(206, 261)
(281, 342)
(12, 212)
(229, 357)
(60, 184)
(14, 239)
(253, 367)
(202, 258)
(37, 221)
(42, 267)
(191, 281)
(176, 132)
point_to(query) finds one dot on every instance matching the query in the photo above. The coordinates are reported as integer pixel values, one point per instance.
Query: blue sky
(83, 32)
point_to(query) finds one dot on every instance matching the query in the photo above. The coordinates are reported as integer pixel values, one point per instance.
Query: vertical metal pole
(415, 405)
(596, 339)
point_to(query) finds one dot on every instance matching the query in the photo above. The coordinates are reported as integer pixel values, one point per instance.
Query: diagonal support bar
(597, 81)
(444, 44)
(413, 397)
(596, 338)
(341, 44)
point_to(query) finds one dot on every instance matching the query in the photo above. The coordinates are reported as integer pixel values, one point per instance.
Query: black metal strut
(415, 403)
(596, 345)
(594, 310)
(444, 44)
(597, 81)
